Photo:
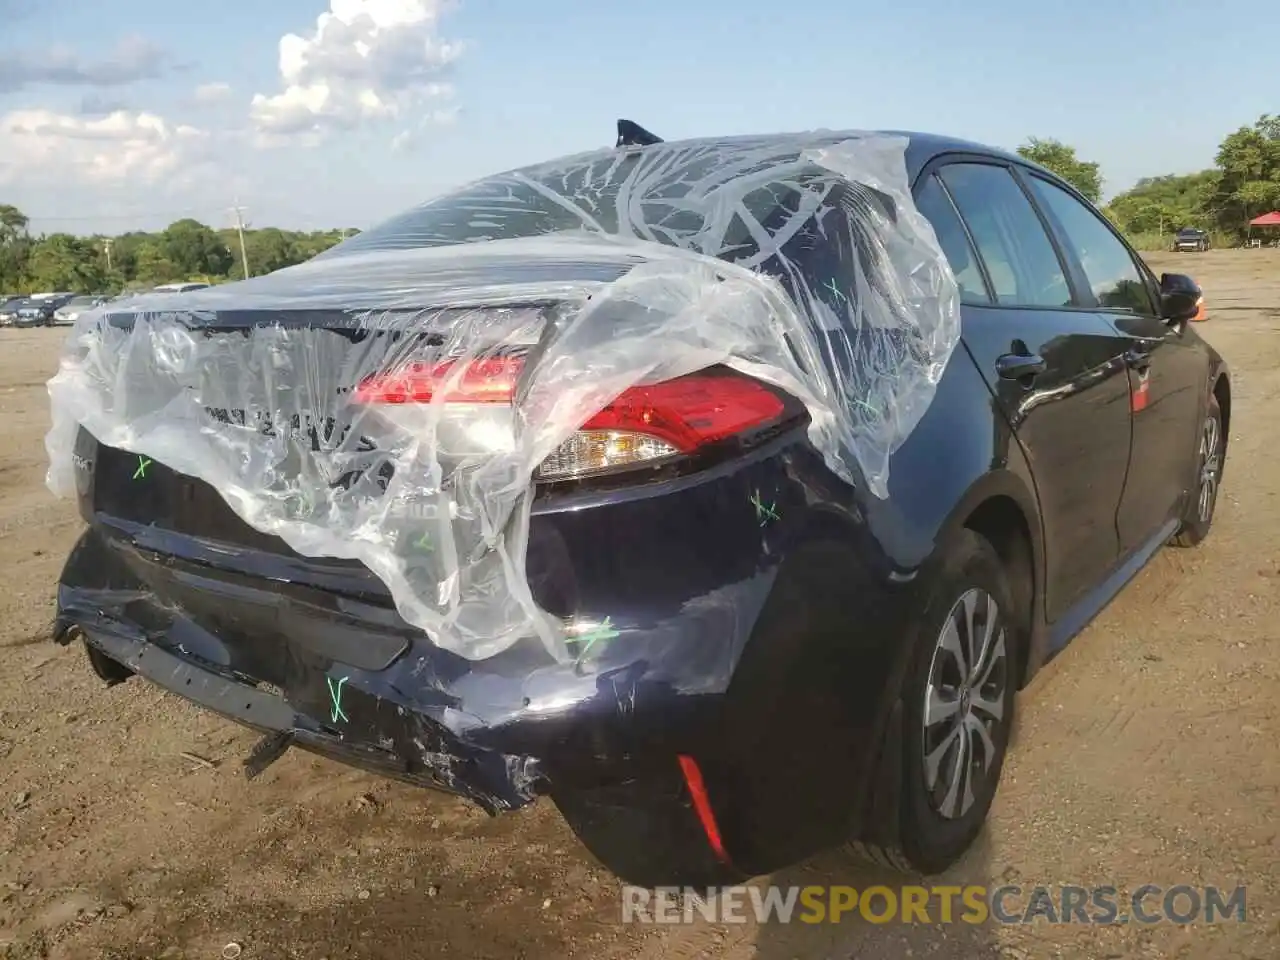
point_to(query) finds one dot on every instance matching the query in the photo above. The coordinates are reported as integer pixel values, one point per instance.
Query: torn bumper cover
(357, 716)
(401, 710)
(218, 614)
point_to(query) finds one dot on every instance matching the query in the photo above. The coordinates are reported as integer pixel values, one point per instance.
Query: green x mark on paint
(335, 695)
(141, 472)
(764, 511)
(424, 542)
(602, 631)
(835, 290)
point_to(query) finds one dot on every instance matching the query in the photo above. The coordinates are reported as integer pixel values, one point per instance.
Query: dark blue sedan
(772, 658)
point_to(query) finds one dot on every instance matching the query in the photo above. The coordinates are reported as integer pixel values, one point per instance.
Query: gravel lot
(1147, 754)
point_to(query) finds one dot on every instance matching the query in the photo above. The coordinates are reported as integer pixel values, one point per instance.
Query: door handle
(1139, 358)
(1017, 366)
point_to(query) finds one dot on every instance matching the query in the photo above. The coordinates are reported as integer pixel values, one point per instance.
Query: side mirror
(1180, 297)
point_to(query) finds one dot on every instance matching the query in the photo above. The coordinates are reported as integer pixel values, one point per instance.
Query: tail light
(643, 426)
(487, 380)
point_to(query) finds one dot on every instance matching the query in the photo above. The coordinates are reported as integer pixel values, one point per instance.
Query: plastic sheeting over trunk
(395, 400)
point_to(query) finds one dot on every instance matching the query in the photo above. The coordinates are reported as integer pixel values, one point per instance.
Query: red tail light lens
(487, 380)
(643, 425)
(690, 412)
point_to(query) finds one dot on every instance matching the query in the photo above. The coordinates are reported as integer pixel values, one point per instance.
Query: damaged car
(723, 491)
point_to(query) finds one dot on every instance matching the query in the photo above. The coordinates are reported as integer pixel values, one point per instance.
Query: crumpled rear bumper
(493, 781)
(363, 730)
(347, 679)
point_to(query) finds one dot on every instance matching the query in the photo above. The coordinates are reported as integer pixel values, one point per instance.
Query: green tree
(152, 266)
(1162, 204)
(185, 250)
(311, 244)
(124, 254)
(1061, 159)
(194, 248)
(61, 261)
(13, 223)
(15, 248)
(1249, 185)
(270, 249)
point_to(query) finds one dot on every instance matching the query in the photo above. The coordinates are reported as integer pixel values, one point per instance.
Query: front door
(1166, 368)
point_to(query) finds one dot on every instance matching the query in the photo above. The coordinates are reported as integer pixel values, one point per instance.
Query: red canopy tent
(1271, 219)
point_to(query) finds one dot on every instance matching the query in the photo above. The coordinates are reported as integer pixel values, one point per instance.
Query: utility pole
(106, 243)
(244, 257)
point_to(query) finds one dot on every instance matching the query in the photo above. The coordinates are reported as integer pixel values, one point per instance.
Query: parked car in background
(69, 311)
(1191, 240)
(9, 310)
(39, 308)
(33, 313)
(870, 693)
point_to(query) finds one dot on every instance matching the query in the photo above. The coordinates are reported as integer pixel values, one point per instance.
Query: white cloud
(121, 147)
(212, 92)
(366, 60)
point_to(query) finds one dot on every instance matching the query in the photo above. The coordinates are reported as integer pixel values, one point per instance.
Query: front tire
(1210, 460)
(958, 707)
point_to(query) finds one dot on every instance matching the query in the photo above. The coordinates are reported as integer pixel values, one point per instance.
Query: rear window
(810, 229)
(523, 203)
(583, 194)
(816, 233)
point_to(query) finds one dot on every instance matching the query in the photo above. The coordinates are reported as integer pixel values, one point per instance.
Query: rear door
(1168, 368)
(1055, 367)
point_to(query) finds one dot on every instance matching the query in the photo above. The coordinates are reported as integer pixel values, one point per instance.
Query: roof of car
(921, 147)
(928, 145)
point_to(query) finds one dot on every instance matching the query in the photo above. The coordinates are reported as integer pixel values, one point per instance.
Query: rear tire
(1211, 455)
(950, 768)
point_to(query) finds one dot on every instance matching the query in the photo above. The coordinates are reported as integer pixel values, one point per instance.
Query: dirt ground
(1147, 754)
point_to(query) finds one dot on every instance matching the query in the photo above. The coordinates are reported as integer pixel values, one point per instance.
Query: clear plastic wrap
(800, 261)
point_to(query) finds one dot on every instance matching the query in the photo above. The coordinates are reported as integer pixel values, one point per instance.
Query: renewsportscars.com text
(1147, 904)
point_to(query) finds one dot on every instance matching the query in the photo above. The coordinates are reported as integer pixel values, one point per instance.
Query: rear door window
(1019, 256)
(933, 202)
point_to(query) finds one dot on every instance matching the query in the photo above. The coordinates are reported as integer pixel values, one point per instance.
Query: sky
(313, 114)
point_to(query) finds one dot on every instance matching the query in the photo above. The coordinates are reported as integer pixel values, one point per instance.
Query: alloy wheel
(1210, 466)
(964, 703)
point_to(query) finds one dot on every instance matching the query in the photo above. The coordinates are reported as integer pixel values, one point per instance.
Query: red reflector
(702, 806)
(691, 411)
(487, 380)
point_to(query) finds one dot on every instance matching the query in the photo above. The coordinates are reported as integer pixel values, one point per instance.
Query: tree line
(186, 250)
(1243, 183)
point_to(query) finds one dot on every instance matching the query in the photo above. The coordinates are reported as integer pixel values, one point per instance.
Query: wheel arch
(1000, 508)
